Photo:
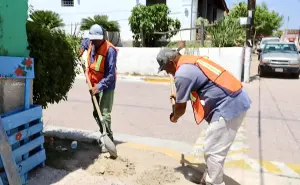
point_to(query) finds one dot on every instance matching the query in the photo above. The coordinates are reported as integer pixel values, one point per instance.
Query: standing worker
(216, 97)
(101, 70)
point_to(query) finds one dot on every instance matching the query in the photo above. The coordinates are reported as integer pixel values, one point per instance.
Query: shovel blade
(110, 146)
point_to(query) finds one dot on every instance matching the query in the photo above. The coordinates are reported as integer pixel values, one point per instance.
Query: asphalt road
(140, 109)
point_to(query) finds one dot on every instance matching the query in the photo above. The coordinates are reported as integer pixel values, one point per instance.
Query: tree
(278, 33)
(102, 20)
(150, 19)
(46, 18)
(266, 22)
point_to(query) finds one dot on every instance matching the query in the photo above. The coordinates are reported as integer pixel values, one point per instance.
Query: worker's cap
(96, 32)
(164, 56)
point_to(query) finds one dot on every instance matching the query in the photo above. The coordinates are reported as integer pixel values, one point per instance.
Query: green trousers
(105, 101)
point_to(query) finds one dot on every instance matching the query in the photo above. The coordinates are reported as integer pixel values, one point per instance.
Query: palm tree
(46, 18)
(102, 20)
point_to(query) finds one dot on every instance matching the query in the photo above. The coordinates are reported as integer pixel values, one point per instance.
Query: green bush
(55, 64)
(227, 33)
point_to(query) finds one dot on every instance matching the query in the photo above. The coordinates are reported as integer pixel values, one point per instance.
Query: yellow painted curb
(177, 156)
(157, 80)
(240, 164)
(270, 167)
(294, 167)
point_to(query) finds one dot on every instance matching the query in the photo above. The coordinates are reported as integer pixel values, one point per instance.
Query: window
(67, 3)
(269, 40)
(281, 48)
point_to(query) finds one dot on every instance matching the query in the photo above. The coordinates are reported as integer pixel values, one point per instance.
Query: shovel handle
(93, 96)
(172, 88)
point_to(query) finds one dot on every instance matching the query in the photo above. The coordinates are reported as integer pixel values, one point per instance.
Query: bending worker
(101, 69)
(216, 96)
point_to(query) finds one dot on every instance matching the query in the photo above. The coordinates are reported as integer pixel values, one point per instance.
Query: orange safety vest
(97, 68)
(213, 72)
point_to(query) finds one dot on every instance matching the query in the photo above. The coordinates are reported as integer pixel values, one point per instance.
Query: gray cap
(164, 56)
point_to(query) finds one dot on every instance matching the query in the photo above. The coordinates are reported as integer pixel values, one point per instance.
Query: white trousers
(219, 138)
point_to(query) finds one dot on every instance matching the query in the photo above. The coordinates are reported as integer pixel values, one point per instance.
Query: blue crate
(24, 131)
(23, 127)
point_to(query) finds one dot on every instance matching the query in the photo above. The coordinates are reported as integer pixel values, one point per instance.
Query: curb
(155, 79)
(91, 136)
(137, 78)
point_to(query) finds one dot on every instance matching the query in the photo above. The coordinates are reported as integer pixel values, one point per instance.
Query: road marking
(294, 167)
(238, 164)
(270, 167)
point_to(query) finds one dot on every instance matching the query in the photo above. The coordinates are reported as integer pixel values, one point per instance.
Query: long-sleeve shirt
(109, 80)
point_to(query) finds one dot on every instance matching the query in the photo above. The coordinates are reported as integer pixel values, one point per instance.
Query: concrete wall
(143, 60)
(13, 39)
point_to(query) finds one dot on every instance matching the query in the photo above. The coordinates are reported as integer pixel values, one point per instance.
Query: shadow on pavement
(254, 77)
(280, 76)
(194, 174)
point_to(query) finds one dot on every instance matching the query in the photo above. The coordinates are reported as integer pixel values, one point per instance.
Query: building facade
(187, 11)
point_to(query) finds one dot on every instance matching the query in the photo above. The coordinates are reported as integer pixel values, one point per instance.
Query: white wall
(143, 60)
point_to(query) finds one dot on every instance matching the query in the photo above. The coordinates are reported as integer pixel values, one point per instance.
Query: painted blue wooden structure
(23, 126)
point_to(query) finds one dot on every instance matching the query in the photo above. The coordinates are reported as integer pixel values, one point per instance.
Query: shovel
(110, 146)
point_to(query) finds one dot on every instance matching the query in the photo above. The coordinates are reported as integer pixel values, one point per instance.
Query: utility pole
(249, 44)
(250, 27)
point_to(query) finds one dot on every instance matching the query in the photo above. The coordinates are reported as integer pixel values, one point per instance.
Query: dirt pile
(132, 167)
(158, 175)
(108, 167)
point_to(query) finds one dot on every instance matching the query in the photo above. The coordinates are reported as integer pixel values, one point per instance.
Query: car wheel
(261, 72)
(296, 75)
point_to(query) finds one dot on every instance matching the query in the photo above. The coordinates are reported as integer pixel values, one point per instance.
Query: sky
(287, 8)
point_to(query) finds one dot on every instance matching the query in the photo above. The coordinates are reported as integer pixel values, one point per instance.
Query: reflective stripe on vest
(192, 98)
(98, 64)
(210, 67)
